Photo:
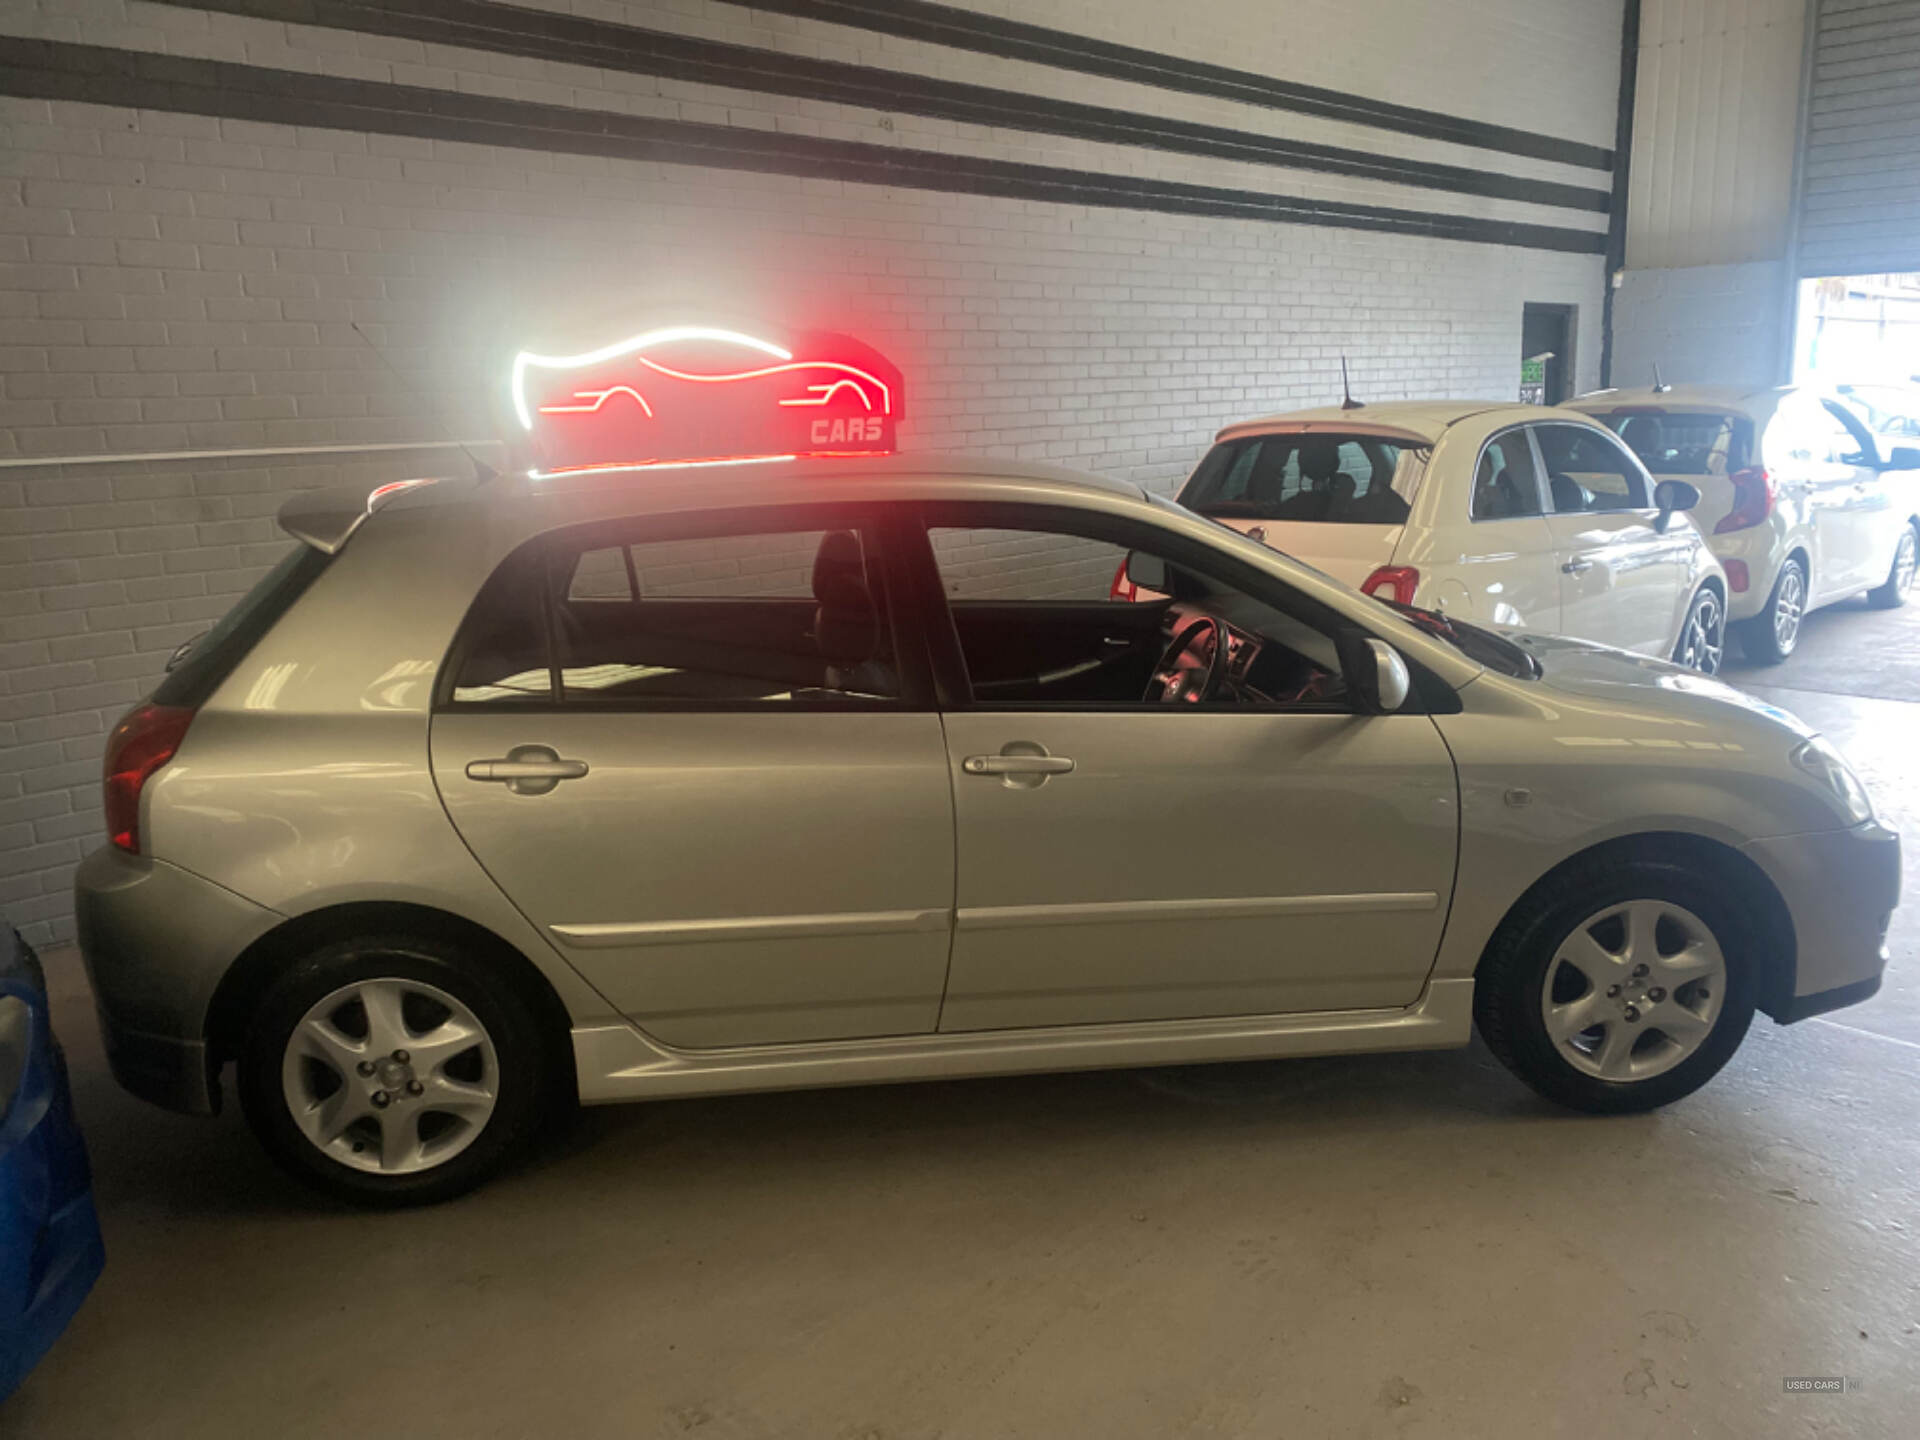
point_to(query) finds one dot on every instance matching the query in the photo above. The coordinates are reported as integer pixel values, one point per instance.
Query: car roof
(326, 519)
(1420, 421)
(1745, 399)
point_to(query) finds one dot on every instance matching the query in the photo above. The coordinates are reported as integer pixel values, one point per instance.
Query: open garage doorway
(1859, 335)
(1546, 353)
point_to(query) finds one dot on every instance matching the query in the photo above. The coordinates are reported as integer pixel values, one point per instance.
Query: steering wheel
(1193, 668)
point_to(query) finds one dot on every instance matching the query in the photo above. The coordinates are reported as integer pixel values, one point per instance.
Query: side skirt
(617, 1062)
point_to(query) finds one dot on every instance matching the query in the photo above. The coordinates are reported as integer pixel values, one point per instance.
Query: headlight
(1820, 760)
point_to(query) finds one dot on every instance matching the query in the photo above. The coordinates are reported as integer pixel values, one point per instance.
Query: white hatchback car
(1799, 504)
(1502, 514)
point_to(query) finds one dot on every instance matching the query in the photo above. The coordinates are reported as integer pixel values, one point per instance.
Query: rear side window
(1587, 470)
(208, 659)
(1332, 479)
(1703, 443)
(772, 617)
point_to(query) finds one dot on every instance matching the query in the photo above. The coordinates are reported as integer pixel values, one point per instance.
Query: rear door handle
(527, 769)
(1575, 567)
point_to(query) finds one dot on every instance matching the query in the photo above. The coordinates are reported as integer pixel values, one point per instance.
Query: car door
(1120, 860)
(1864, 511)
(1804, 443)
(1478, 536)
(1623, 580)
(695, 755)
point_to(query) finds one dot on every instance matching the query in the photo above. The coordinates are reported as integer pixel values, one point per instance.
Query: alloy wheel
(1906, 561)
(390, 1076)
(1634, 990)
(1704, 639)
(1788, 607)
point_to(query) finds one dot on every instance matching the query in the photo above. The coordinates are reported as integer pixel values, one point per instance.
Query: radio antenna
(1346, 389)
(1659, 386)
(482, 471)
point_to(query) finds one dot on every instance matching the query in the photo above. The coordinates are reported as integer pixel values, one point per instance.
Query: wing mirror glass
(1902, 457)
(1374, 672)
(1672, 495)
(1147, 572)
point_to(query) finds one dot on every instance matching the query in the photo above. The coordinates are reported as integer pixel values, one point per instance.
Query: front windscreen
(1328, 478)
(1679, 443)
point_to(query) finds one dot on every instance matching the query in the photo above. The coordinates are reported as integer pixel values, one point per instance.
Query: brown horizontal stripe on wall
(542, 35)
(1016, 40)
(57, 70)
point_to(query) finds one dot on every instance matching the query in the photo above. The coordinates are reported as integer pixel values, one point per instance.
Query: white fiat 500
(1503, 514)
(1799, 502)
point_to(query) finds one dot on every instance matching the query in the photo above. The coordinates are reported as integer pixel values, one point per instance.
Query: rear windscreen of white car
(1334, 479)
(1682, 443)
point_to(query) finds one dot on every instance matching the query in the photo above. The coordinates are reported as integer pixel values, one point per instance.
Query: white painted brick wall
(1702, 324)
(179, 282)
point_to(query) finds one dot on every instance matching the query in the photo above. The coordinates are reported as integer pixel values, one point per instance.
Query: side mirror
(1902, 457)
(1147, 572)
(1374, 672)
(1672, 495)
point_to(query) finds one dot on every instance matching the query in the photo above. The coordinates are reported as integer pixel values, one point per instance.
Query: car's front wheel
(393, 1070)
(1619, 985)
(1770, 637)
(1703, 636)
(1892, 593)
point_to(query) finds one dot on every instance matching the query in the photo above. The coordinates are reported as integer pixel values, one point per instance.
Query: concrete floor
(1398, 1246)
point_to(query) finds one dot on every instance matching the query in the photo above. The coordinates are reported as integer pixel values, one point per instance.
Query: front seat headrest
(844, 624)
(1319, 458)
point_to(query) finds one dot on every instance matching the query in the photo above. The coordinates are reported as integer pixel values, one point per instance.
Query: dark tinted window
(777, 617)
(210, 658)
(1506, 483)
(502, 650)
(1335, 479)
(1678, 444)
(1588, 470)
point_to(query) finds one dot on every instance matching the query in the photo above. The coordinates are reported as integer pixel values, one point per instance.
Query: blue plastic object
(50, 1250)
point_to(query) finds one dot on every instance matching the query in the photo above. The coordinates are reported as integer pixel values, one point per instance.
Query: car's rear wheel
(393, 1070)
(1703, 637)
(1619, 985)
(1892, 593)
(1770, 637)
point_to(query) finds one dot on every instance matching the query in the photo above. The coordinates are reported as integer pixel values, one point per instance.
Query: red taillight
(1392, 582)
(1122, 588)
(1737, 577)
(143, 741)
(1753, 500)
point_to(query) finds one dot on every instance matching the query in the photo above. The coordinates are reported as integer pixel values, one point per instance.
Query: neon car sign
(696, 395)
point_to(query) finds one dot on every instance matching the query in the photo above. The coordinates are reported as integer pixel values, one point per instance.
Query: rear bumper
(157, 941)
(1759, 549)
(1841, 888)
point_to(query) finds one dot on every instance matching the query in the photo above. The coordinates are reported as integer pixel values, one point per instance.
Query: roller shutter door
(1860, 196)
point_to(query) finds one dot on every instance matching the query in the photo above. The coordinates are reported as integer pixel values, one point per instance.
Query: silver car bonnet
(1600, 672)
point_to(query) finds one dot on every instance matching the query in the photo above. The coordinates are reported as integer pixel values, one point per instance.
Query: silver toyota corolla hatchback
(497, 794)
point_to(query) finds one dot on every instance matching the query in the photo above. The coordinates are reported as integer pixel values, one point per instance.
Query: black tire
(1703, 634)
(1892, 593)
(1760, 636)
(526, 1086)
(1507, 994)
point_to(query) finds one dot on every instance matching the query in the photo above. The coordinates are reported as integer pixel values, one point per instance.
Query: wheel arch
(1770, 934)
(254, 969)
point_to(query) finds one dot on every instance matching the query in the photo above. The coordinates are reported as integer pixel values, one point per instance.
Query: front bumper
(157, 940)
(50, 1249)
(1841, 888)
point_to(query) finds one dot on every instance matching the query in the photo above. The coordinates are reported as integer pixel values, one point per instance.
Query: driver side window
(1040, 623)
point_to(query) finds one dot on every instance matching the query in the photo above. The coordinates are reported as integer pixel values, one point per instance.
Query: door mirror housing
(1375, 674)
(1902, 457)
(1672, 495)
(1147, 572)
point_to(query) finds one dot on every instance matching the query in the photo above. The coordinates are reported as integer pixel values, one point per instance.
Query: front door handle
(1576, 567)
(527, 769)
(1021, 765)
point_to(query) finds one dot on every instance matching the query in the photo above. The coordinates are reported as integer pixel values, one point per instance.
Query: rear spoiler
(1373, 429)
(326, 519)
